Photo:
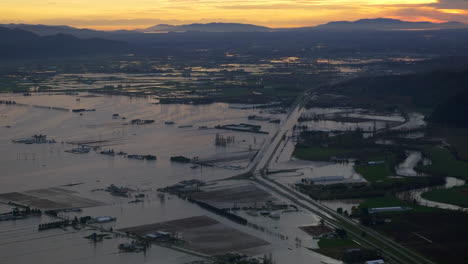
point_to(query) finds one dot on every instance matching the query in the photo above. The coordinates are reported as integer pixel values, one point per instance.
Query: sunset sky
(130, 14)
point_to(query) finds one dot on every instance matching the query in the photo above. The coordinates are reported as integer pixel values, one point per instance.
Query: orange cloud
(129, 14)
(453, 11)
(429, 13)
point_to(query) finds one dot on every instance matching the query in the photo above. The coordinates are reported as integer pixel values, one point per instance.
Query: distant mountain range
(46, 30)
(27, 41)
(210, 27)
(386, 24)
(19, 43)
(377, 24)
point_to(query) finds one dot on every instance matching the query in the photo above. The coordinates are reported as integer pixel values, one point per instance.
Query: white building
(378, 261)
(388, 209)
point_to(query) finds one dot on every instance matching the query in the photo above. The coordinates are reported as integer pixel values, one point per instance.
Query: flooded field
(236, 195)
(69, 151)
(53, 174)
(69, 245)
(49, 199)
(290, 171)
(205, 234)
(407, 167)
(348, 119)
(161, 80)
(415, 120)
(21, 243)
(32, 162)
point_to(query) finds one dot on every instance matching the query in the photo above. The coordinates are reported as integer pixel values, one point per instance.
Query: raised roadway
(257, 171)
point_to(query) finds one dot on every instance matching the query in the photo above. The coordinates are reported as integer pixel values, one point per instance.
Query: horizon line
(133, 28)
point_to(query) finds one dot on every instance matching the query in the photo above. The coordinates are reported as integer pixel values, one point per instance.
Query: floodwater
(296, 170)
(163, 80)
(415, 120)
(288, 170)
(25, 167)
(25, 244)
(406, 168)
(292, 171)
(32, 164)
(416, 195)
(374, 120)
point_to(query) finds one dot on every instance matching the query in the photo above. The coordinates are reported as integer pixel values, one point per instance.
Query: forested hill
(453, 112)
(446, 92)
(417, 90)
(17, 43)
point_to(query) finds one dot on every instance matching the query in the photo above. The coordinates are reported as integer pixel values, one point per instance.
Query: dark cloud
(430, 13)
(452, 4)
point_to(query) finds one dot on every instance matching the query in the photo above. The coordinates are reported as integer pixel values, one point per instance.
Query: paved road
(258, 172)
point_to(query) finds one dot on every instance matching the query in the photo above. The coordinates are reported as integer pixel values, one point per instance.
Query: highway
(257, 171)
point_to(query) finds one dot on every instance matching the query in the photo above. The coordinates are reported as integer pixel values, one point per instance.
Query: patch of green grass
(235, 91)
(318, 153)
(373, 173)
(444, 163)
(457, 138)
(7, 85)
(281, 90)
(386, 201)
(456, 196)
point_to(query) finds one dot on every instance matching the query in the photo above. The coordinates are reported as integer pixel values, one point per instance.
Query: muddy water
(406, 168)
(416, 194)
(295, 170)
(34, 166)
(25, 244)
(26, 167)
(415, 120)
(379, 121)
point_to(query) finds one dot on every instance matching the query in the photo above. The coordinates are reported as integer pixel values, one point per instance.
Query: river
(416, 195)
